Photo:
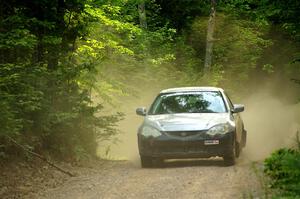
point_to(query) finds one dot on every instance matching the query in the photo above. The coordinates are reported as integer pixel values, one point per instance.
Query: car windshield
(192, 102)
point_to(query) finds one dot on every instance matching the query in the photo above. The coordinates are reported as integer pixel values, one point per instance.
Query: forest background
(63, 62)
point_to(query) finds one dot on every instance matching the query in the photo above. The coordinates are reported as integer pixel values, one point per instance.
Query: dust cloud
(271, 124)
(126, 147)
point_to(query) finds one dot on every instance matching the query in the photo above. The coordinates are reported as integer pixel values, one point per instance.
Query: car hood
(186, 121)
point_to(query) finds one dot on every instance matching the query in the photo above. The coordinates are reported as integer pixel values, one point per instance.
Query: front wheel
(230, 158)
(244, 138)
(146, 162)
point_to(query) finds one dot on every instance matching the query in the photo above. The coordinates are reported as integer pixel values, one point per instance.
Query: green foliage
(284, 13)
(283, 168)
(45, 102)
(20, 96)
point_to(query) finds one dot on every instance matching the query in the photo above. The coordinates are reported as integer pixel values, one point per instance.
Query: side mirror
(141, 111)
(237, 108)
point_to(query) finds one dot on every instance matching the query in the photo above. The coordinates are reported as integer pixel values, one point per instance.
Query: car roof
(190, 89)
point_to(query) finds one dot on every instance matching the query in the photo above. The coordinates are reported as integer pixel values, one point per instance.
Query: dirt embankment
(22, 179)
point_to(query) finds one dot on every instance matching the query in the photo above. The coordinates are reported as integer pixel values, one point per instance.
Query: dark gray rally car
(191, 122)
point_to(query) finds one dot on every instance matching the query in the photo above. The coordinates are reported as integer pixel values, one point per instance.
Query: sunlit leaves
(100, 16)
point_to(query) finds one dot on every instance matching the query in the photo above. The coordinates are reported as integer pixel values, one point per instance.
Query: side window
(229, 101)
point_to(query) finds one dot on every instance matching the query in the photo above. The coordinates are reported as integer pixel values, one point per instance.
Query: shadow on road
(193, 162)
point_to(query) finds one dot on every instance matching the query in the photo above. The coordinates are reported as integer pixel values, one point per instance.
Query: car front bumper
(170, 147)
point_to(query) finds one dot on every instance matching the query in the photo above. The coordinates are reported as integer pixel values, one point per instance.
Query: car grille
(183, 134)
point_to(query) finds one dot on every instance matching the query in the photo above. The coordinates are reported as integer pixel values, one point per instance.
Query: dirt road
(185, 179)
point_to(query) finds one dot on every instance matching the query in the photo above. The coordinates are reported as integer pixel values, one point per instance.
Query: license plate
(211, 142)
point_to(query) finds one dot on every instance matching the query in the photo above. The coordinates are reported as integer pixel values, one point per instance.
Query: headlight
(218, 129)
(149, 131)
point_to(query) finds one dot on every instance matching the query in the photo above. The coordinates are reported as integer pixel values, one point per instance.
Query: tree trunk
(142, 14)
(209, 38)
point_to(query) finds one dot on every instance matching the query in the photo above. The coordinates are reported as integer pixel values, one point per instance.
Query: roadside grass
(279, 174)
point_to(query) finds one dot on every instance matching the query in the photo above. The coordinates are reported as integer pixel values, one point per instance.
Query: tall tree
(209, 38)
(142, 14)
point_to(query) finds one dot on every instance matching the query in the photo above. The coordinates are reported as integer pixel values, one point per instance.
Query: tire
(244, 138)
(230, 158)
(146, 162)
